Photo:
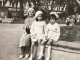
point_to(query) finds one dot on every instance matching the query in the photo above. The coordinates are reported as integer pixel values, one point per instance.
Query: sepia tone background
(13, 14)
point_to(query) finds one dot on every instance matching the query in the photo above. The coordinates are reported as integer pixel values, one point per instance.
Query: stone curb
(67, 45)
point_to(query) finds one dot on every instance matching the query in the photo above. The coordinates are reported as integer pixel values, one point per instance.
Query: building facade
(9, 9)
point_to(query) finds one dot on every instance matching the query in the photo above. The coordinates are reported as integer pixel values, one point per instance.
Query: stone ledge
(63, 45)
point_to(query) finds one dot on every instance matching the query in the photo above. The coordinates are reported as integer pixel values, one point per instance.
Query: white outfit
(38, 30)
(52, 31)
(37, 13)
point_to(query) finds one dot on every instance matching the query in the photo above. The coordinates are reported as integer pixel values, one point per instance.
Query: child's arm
(44, 27)
(26, 23)
(32, 29)
(57, 33)
(33, 35)
(46, 32)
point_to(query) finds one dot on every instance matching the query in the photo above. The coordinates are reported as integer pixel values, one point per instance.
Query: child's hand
(43, 42)
(46, 38)
(49, 42)
(34, 40)
(39, 41)
(29, 27)
(54, 41)
(34, 36)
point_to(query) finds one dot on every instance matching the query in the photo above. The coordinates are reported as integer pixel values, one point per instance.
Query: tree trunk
(21, 9)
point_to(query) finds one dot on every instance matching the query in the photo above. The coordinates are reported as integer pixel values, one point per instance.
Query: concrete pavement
(9, 40)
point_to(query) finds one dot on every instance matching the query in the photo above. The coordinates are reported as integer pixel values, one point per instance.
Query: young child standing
(37, 34)
(25, 41)
(52, 33)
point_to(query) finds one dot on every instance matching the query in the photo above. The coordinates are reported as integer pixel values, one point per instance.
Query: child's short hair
(52, 16)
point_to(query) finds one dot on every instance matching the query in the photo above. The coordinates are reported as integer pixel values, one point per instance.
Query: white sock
(42, 48)
(41, 51)
(48, 52)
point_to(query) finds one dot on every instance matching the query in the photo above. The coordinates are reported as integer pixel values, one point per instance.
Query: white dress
(52, 31)
(38, 30)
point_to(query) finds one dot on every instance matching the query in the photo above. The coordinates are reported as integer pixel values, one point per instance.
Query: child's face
(39, 17)
(30, 13)
(52, 20)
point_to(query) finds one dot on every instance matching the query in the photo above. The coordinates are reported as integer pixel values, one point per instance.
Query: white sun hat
(38, 13)
(30, 9)
(54, 13)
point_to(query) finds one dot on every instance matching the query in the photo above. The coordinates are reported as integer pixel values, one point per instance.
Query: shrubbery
(70, 33)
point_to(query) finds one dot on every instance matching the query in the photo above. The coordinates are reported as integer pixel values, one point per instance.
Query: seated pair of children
(42, 33)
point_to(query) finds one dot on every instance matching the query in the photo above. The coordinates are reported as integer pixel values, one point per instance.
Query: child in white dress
(37, 33)
(52, 33)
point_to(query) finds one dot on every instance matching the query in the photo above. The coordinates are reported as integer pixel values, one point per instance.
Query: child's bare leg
(32, 49)
(22, 53)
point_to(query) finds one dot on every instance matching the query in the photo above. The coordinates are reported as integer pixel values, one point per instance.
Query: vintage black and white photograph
(39, 29)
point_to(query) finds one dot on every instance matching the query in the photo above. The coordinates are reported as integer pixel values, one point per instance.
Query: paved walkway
(9, 40)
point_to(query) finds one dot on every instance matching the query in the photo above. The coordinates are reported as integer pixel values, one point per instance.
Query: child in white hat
(52, 33)
(25, 39)
(37, 33)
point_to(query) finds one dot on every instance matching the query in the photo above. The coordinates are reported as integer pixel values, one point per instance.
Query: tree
(21, 9)
(73, 6)
(78, 1)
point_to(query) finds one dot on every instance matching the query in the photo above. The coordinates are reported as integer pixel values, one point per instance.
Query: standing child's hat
(38, 13)
(31, 10)
(55, 14)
